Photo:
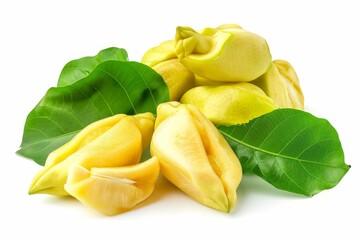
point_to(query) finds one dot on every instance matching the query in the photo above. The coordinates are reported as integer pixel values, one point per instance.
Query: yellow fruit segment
(176, 76)
(164, 61)
(221, 157)
(195, 157)
(291, 81)
(101, 145)
(113, 190)
(227, 53)
(161, 53)
(145, 123)
(229, 104)
(281, 83)
(85, 136)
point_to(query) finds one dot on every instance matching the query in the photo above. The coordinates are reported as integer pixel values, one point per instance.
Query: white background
(319, 38)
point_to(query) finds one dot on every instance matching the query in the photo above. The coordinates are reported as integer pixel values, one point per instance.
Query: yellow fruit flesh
(295, 94)
(120, 145)
(281, 83)
(165, 111)
(91, 132)
(217, 150)
(145, 123)
(174, 151)
(113, 190)
(229, 104)
(230, 55)
(194, 158)
(163, 52)
(176, 76)
(164, 61)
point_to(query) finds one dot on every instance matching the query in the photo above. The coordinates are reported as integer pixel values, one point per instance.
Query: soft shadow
(60, 199)
(162, 188)
(253, 186)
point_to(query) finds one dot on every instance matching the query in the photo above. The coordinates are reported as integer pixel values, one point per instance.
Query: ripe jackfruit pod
(113, 190)
(161, 53)
(114, 141)
(195, 157)
(165, 62)
(229, 104)
(281, 83)
(227, 53)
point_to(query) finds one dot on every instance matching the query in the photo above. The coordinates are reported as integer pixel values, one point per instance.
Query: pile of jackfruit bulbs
(216, 76)
(222, 69)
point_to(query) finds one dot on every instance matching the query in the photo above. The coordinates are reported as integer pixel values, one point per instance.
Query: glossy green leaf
(113, 87)
(291, 149)
(82, 67)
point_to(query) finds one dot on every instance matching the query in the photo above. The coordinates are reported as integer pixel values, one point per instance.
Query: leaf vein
(147, 85)
(104, 99)
(282, 169)
(38, 130)
(51, 121)
(277, 126)
(67, 112)
(122, 86)
(297, 134)
(50, 139)
(89, 98)
(249, 130)
(313, 144)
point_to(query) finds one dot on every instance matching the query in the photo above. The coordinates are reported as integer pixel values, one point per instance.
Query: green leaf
(80, 68)
(113, 87)
(290, 149)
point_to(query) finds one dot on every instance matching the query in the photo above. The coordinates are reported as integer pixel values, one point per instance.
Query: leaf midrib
(276, 154)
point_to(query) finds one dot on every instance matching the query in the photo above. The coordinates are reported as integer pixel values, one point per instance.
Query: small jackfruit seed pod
(195, 157)
(176, 76)
(229, 104)
(227, 53)
(145, 123)
(281, 83)
(115, 141)
(161, 53)
(295, 94)
(113, 190)
(165, 62)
